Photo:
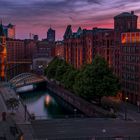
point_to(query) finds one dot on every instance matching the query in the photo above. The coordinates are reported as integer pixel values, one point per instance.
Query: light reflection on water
(44, 104)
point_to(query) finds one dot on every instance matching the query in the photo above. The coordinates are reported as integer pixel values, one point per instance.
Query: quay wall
(84, 106)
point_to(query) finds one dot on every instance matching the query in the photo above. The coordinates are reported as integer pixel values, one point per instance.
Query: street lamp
(138, 104)
(25, 112)
(125, 115)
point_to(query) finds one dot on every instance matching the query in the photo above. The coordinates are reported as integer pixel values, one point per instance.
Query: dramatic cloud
(36, 16)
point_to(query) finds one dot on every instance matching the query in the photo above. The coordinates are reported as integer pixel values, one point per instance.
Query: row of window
(130, 68)
(127, 49)
(130, 87)
(130, 77)
(131, 58)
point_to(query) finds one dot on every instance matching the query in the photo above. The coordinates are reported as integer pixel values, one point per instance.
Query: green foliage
(59, 70)
(69, 78)
(96, 80)
(92, 81)
(50, 71)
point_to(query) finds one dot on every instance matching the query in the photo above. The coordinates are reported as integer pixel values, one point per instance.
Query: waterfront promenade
(18, 115)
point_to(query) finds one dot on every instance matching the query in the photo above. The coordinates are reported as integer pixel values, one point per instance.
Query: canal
(46, 105)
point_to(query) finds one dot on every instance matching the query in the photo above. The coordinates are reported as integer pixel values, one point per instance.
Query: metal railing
(60, 117)
(91, 138)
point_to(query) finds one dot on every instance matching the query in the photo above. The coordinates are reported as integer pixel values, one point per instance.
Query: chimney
(132, 12)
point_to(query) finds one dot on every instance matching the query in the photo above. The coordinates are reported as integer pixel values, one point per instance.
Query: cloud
(36, 15)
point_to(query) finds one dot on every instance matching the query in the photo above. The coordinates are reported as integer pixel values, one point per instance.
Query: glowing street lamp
(125, 115)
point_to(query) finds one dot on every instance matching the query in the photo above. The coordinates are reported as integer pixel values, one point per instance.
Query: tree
(50, 71)
(56, 69)
(62, 68)
(96, 80)
(69, 78)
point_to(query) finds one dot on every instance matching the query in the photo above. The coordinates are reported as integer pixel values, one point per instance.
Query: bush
(110, 103)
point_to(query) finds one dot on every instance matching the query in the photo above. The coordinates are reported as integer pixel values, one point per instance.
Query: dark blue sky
(36, 16)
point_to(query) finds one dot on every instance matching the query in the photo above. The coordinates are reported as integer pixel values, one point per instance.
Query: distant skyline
(36, 16)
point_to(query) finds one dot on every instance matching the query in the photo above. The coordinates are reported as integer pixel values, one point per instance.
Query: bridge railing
(25, 79)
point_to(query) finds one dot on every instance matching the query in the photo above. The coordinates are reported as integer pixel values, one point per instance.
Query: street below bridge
(85, 128)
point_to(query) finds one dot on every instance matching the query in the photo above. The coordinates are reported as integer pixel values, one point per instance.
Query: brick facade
(82, 46)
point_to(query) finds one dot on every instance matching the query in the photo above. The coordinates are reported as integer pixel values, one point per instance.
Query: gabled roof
(97, 30)
(68, 31)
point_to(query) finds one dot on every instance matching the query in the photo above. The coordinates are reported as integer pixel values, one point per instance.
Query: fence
(91, 138)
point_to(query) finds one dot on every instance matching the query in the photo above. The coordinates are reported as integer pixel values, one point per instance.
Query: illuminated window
(137, 37)
(133, 37)
(128, 38)
(123, 38)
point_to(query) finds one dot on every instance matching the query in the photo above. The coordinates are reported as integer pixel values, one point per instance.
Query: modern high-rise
(51, 35)
(9, 31)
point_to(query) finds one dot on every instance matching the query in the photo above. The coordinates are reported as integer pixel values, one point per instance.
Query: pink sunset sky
(36, 16)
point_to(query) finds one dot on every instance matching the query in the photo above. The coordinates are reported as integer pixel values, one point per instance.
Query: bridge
(26, 79)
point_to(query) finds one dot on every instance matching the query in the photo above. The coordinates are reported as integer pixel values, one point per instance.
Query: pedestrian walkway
(19, 112)
(9, 130)
(2, 105)
(18, 115)
(131, 112)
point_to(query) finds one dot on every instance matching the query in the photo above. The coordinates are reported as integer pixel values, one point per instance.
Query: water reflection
(46, 104)
(48, 100)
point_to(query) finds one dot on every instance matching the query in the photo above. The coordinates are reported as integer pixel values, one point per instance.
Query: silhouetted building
(35, 37)
(44, 48)
(125, 22)
(51, 35)
(29, 47)
(44, 53)
(9, 31)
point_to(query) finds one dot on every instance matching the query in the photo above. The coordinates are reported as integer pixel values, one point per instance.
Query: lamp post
(125, 114)
(25, 111)
(138, 104)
